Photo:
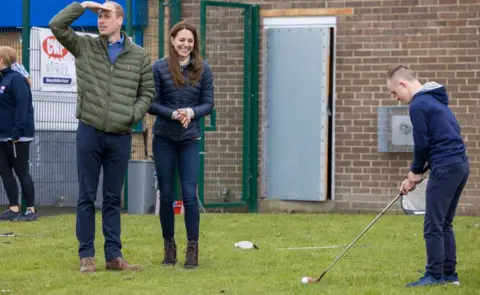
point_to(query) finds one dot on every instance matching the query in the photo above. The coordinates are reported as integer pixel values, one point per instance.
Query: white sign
(57, 64)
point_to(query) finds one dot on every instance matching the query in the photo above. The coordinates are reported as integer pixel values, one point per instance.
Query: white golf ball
(305, 280)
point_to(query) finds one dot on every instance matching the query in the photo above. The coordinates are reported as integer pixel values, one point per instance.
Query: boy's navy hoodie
(436, 133)
(16, 106)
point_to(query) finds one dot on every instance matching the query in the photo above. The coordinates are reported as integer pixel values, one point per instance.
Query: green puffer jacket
(111, 97)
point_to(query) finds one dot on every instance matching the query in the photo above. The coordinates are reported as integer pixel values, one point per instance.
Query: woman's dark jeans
(186, 153)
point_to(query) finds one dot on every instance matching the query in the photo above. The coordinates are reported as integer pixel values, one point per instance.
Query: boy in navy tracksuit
(437, 140)
(16, 133)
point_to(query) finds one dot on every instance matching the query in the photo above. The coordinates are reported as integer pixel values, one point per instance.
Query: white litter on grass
(6, 291)
(246, 245)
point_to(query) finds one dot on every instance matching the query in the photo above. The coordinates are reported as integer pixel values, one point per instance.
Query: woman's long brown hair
(196, 67)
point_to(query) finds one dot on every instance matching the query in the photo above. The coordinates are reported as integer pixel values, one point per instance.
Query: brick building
(437, 38)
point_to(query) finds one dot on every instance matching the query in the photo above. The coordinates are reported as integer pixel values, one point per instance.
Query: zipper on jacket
(109, 91)
(110, 81)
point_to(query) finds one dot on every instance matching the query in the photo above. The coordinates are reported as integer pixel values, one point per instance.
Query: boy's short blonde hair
(403, 72)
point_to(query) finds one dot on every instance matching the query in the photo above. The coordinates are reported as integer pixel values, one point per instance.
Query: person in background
(437, 141)
(115, 90)
(17, 128)
(184, 94)
(21, 69)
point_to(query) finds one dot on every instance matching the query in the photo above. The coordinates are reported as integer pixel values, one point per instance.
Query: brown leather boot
(87, 264)
(121, 264)
(170, 252)
(191, 260)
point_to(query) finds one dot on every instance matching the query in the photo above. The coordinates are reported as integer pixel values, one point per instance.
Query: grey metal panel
(394, 129)
(296, 105)
(142, 186)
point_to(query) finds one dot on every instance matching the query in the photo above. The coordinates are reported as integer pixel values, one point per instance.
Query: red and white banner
(57, 64)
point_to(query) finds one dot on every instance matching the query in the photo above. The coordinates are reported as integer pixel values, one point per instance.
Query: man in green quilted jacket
(115, 89)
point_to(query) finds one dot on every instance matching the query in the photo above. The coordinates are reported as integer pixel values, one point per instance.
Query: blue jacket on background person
(16, 106)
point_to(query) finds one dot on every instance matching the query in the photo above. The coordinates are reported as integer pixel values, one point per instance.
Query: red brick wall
(437, 38)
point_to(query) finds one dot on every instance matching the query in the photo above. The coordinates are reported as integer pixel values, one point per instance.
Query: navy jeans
(444, 188)
(95, 149)
(167, 154)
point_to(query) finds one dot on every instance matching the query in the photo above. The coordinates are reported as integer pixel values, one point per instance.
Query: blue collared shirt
(114, 49)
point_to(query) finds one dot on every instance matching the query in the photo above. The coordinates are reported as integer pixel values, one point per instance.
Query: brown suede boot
(121, 264)
(170, 252)
(87, 264)
(191, 260)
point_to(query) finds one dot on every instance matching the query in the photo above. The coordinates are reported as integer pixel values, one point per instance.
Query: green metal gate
(229, 147)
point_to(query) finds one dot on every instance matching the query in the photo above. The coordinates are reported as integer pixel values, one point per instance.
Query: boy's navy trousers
(445, 185)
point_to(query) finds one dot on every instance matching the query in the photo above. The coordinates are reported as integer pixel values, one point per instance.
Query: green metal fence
(229, 42)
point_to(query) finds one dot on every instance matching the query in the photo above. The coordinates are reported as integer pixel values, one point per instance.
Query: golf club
(360, 235)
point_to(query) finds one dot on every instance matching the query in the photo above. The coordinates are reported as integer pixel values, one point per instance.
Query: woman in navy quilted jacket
(183, 94)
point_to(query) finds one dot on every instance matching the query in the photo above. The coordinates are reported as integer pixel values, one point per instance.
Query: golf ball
(305, 280)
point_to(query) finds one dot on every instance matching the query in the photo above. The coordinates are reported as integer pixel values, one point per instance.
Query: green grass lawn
(49, 265)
